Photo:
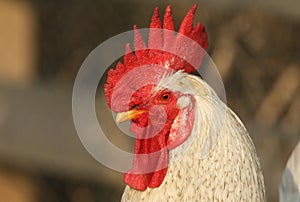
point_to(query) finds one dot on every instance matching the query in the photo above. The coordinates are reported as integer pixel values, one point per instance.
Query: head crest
(158, 41)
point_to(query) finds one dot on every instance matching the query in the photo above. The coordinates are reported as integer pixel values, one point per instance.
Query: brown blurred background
(43, 43)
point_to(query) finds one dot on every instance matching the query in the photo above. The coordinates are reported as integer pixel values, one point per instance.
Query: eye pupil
(165, 96)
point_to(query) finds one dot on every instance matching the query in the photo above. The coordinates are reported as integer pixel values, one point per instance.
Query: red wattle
(150, 161)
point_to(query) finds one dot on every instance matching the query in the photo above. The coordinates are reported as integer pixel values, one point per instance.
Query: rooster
(189, 145)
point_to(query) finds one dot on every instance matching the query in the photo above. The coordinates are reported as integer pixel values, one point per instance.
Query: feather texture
(289, 190)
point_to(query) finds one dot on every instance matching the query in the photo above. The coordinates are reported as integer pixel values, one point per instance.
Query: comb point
(168, 19)
(187, 23)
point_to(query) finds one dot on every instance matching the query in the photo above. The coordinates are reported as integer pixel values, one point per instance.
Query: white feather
(289, 190)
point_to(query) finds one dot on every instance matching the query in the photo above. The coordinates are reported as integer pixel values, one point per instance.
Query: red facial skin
(147, 142)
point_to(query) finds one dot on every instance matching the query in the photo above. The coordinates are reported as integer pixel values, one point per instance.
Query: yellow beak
(129, 115)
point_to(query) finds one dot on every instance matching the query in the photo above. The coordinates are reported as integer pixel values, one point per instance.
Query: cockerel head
(150, 89)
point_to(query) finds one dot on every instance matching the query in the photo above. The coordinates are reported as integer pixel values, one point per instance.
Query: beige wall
(17, 42)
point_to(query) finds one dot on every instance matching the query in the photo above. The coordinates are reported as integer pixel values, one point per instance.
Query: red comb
(160, 40)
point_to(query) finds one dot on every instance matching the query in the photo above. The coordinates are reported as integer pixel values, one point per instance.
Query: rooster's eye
(165, 97)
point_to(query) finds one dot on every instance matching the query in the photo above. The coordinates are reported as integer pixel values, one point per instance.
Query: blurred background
(256, 47)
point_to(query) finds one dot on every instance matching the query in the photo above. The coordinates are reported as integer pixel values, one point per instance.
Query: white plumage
(218, 162)
(289, 190)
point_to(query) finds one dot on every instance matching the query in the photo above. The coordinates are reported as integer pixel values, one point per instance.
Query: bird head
(149, 88)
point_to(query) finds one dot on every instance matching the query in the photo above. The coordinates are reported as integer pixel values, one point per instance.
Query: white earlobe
(183, 102)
